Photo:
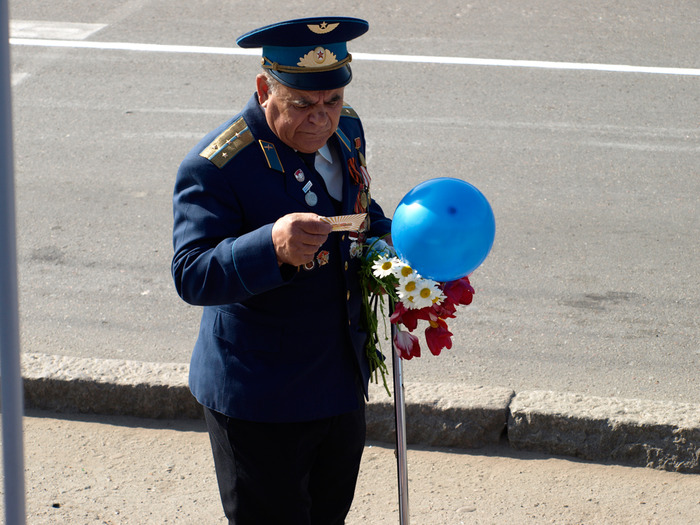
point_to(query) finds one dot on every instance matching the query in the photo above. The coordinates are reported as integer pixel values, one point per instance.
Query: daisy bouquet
(412, 299)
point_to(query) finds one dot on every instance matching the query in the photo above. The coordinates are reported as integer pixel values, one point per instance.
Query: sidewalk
(87, 469)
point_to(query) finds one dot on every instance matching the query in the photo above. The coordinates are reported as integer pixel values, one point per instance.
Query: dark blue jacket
(275, 343)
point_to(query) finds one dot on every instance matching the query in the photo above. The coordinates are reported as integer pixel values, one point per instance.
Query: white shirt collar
(325, 152)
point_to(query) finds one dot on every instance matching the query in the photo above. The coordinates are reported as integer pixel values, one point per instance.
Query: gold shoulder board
(348, 112)
(228, 144)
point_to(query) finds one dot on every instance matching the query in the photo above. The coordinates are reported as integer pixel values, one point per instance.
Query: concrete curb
(626, 431)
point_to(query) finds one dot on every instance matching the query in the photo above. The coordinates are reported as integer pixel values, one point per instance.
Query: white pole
(400, 409)
(10, 372)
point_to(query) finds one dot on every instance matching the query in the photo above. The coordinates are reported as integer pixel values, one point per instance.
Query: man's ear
(262, 88)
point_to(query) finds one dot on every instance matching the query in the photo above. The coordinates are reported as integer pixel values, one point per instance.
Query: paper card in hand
(344, 223)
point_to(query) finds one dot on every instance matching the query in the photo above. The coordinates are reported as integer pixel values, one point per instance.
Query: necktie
(308, 158)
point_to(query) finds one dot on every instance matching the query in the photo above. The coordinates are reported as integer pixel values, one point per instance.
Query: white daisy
(404, 271)
(407, 290)
(416, 292)
(384, 266)
(427, 293)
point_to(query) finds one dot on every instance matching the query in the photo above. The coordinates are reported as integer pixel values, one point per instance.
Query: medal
(299, 176)
(323, 257)
(364, 201)
(311, 198)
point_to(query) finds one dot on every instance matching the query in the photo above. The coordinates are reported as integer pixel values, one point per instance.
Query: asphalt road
(592, 285)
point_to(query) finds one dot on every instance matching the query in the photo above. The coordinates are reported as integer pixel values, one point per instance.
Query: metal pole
(400, 409)
(12, 391)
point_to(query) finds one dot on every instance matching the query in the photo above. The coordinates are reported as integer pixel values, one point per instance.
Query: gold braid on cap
(275, 66)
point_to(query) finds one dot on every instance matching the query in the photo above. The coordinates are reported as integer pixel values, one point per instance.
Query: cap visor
(315, 81)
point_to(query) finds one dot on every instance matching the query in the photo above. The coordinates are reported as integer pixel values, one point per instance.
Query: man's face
(304, 120)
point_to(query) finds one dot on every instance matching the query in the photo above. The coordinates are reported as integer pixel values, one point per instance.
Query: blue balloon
(443, 228)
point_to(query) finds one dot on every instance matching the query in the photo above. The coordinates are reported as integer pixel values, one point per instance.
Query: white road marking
(162, 48)
(52, 30)
(166, 135)
(42, 29)
(580, 66)
(551, 126)
(17, 78)
(128, 46)
(659, 148)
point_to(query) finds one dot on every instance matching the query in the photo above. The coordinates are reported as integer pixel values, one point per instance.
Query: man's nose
(318, 116)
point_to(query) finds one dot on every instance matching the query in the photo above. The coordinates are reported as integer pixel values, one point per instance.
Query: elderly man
(279, 365)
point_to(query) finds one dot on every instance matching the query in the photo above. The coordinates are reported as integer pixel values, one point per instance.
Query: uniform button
(342, 238)
(346, 266)
(348, 295)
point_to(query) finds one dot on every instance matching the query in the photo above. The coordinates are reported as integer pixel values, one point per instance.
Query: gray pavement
(118, 470)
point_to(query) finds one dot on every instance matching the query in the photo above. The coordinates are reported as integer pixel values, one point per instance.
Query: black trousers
(287, 473)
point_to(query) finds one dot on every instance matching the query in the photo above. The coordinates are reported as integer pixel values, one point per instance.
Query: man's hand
(298, 236)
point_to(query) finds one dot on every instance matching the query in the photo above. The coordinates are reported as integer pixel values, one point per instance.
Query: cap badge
(317, 57)
(322, 28)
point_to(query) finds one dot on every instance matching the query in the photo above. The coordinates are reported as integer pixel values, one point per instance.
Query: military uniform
(275, 344)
